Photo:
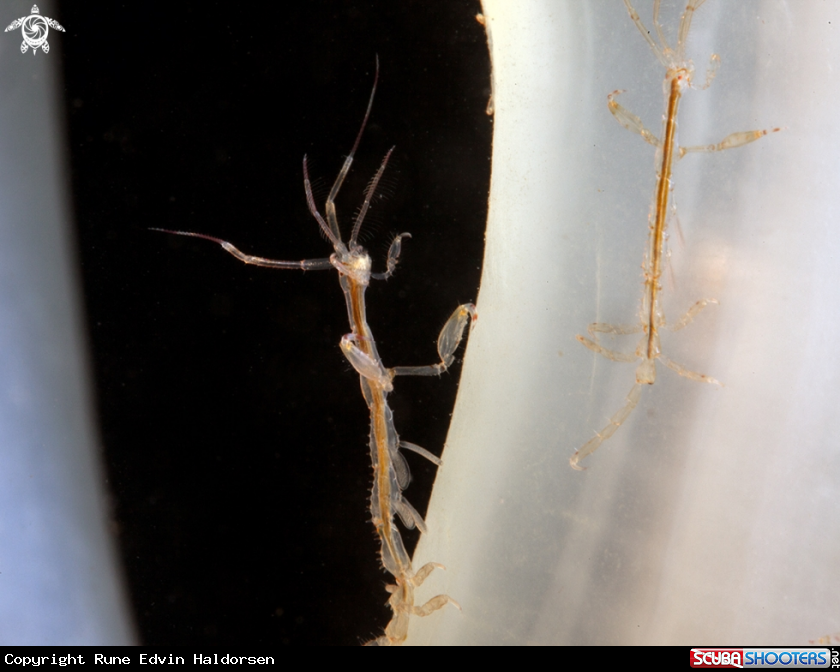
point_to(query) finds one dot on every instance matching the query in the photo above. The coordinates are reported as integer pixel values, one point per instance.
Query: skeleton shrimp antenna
(677, 80)
(391, 474)
(664, 53)
(335, 236)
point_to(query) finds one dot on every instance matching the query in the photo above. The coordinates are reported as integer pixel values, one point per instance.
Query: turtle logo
(35, 29)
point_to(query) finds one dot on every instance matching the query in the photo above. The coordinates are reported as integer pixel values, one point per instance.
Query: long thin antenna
(367, 112)
(330, 207)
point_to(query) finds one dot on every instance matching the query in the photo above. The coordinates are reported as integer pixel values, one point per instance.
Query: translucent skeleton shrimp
(677, 79)
(390, 470)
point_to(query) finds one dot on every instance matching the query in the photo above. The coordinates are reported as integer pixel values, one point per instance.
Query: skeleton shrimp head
(354, 263)
(682, 76)
(679, 67)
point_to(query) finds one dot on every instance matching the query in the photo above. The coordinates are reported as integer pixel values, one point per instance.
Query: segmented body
(674, 81)
(678, 77)
(390, 470)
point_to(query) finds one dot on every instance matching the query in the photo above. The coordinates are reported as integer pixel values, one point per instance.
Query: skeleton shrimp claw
(448, 342)
(678, 78)
(365, 365)
(630, 121)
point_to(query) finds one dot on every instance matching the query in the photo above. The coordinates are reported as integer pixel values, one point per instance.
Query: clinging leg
(413, 447)
(436, 602)
(614, 329)
(448, 342)
(711, 72)
(402, 604)
(691, 313)
(609, 354)
(630, 121)
(686, 373)
(612, 426)
(730, 141)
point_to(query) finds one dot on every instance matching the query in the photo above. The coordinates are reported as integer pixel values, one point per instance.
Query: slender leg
(730, 141)
(612, 426)
(675, 219)
(691, 313)
(609, 354)
(711, 72)
(685, 373)
(630, 121)
(614, 329)
(448, 342)
(434, 459)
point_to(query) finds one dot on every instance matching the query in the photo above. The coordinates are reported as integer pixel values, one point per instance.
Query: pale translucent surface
(712, 516)
(58, 571)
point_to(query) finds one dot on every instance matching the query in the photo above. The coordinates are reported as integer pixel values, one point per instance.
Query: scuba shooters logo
(799, 657)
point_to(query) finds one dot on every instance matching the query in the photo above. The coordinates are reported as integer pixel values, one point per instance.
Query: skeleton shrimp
(678, 78)
(390, 470)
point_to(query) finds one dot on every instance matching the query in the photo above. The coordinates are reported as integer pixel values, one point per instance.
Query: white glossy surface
(712, 515)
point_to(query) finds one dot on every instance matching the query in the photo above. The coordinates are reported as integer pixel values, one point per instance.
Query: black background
(234, 431)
